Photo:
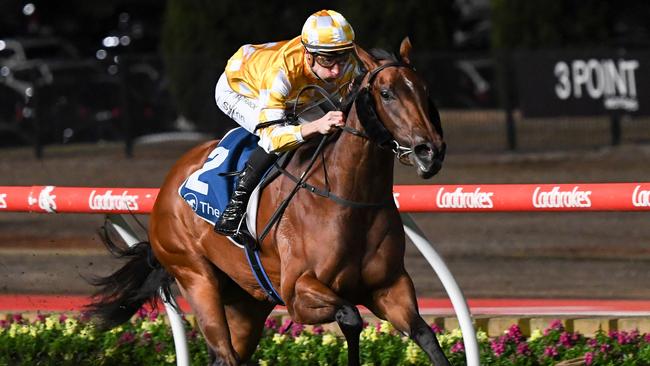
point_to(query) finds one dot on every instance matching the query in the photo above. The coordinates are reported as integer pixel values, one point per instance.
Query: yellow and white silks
(262, 81)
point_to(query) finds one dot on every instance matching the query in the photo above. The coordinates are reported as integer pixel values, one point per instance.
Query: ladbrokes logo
(460, 199)
(640, 198)
(555, 198)
(110, 202)
(46, 200)
(3, 200)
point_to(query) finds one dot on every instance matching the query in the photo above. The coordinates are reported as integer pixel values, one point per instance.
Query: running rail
(408, 198)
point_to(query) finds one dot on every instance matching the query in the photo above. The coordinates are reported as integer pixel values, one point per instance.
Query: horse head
(395, 111)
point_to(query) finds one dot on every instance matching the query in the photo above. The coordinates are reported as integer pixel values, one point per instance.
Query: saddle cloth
(208, 192)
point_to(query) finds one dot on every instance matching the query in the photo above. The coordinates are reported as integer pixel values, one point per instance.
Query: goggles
(329, 60)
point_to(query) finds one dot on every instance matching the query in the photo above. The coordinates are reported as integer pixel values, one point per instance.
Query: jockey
(261, 82)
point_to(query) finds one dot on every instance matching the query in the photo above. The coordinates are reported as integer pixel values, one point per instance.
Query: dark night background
(184, 45)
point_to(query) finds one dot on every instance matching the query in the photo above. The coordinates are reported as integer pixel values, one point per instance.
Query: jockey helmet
(327, 31)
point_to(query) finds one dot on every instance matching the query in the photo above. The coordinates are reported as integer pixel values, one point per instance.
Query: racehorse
(325, 256)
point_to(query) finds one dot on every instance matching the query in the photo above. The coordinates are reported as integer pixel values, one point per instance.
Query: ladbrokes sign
(551, 83)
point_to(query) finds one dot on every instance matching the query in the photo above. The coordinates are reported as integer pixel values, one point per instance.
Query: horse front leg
(315, 303)
(397, 304)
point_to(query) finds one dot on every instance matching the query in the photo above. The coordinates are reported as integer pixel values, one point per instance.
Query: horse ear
(405, 50)
(368, 61)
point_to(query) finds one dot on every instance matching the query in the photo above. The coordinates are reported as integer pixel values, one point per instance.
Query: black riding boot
(230, 219)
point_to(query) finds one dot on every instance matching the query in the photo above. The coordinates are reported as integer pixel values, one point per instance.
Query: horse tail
(124, 292)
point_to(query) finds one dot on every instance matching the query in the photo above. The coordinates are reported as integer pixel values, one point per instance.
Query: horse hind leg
(398, 305)
(246, 316)
(200, 283)
(316, 303)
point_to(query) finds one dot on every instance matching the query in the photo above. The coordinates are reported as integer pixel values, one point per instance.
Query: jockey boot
(231, 218)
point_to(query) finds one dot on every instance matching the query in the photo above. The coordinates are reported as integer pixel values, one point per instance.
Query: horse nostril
(424, 151)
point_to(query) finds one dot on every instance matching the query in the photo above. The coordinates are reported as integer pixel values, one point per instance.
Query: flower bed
(59, 340)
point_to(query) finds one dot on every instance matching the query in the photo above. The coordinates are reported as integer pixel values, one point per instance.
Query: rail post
(451, 286)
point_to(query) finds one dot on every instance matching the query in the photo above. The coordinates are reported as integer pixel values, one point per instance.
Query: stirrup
(246, 239)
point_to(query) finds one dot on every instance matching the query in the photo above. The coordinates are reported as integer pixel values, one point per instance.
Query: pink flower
(271, 323)
(62, 318)
(318, 330)
(625, 337)
(436, 329)
(605, 347)
(4, 324)
(565, 340)
(556, 325)
(142, 313)
(159, 347)
(40, 318)
(17, 318)
(646, 338)
(550, 352)
(286, 326)
(523, 349)
(498, 347)
(589, 358)
(592, 342)
(146, 337)
(126, 337)
(297, 329)
(458, 347)
(153, 315)
(514, 334)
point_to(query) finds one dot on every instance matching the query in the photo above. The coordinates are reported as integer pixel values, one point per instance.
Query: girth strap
(253, 257)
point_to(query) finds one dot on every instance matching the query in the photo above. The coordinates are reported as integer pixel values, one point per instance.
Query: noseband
(375, 130)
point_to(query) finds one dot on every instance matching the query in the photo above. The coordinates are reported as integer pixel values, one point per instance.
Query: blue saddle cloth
(205, 190)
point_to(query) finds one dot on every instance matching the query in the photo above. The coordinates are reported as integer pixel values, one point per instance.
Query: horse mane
(383, 55)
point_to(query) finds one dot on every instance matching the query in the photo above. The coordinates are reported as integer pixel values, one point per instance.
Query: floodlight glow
(29, 9)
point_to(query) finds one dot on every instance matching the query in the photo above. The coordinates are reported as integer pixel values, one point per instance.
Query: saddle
(208, 191)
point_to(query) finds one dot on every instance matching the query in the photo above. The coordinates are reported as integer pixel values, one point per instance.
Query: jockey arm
(282, 138)
(276, 87)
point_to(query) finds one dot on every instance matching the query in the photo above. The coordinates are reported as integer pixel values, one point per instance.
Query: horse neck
(357, 169)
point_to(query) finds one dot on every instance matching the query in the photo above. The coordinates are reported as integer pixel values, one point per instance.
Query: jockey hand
(324, 125)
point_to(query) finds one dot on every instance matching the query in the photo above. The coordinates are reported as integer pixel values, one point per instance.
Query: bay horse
(325, 257)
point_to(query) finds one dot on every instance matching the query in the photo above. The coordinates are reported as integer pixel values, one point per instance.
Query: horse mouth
(428, 159)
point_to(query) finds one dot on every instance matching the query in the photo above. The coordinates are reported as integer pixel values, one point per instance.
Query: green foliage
(147, 340)
(59, 340)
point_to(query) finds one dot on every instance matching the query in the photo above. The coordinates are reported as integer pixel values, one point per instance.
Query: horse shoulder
(384, 258)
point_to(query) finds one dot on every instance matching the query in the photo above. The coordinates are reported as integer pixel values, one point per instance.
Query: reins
(384, 139)
(300, 183)
(375, 129)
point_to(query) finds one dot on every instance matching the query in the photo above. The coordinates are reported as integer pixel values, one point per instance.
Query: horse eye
(384, 94)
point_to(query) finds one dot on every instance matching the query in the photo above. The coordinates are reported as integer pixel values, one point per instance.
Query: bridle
(375, 130)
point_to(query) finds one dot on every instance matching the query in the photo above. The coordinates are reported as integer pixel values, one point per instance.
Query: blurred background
(110, 93)
(75, 71)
